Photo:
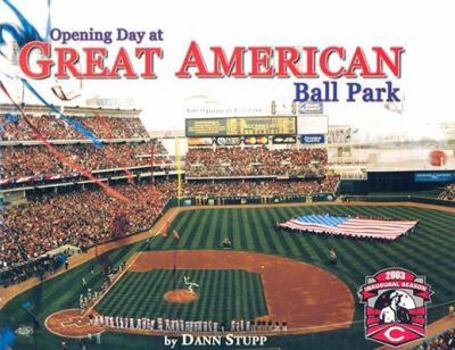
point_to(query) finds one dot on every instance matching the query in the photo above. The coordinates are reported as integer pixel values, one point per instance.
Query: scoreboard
(241, 126)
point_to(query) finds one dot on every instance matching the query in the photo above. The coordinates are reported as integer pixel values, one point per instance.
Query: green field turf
(428, 251)
(223, 295)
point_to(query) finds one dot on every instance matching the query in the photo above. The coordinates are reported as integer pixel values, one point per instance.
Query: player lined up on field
(179, 325)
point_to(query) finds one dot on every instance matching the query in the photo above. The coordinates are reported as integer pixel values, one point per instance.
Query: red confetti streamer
(109, 190)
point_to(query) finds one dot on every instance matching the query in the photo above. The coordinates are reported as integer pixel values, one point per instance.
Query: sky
(422, 28)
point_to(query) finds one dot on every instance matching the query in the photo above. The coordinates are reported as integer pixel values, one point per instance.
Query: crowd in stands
(21, 161)
(260, 188)
(56, 129)
(37, 267)
(448, 193)
(237, 161)
(444, 341)
(81, 219)
(86, 218)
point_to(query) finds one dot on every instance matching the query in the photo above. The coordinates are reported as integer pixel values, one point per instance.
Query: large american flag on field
(352, 227)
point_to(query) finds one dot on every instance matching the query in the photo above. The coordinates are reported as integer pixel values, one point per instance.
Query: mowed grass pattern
(428, 251)
(223, 295)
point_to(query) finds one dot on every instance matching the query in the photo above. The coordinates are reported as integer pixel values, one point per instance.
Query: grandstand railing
(73, 141)
(245, 200)
(55, 180)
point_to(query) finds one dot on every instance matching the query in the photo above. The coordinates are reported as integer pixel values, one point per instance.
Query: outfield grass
(224, 295)
(428, 251)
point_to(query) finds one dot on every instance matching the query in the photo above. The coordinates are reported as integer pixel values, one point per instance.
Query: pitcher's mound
(180, 296)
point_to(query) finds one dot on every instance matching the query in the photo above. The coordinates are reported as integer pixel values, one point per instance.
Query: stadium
(263, 227)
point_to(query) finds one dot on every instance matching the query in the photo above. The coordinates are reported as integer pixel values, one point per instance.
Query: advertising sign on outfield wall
(312, 139)
(284, 140)
(200, 141)
(444, 176)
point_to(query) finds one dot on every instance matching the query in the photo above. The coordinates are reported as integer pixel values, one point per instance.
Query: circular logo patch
(25, 331)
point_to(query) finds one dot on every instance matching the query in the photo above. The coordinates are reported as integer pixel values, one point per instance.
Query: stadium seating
(444, 341)
(260, 188)
(81, 219)
(257, 161)
(53, 129)
(22, 161)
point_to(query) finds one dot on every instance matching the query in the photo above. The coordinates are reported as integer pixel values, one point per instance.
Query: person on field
(333, 258)
(226, 243)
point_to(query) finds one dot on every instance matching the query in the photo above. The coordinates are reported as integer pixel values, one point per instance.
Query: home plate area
(71, 323)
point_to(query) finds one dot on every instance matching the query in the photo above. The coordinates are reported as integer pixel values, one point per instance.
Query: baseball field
(234, 294)
(242, 283)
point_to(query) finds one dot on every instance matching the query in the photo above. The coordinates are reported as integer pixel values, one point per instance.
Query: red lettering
(193, 58)
(95, 60)
(233, 67)
(310, 62)
(260, 59)
(122, 62)
(287, 62)
(393, 64)
(149, 53)
(67, 58)
(359, 61)
(324, 61)
(288, 57)
(44, 64)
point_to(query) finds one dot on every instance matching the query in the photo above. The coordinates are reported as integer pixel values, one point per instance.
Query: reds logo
(395, 306)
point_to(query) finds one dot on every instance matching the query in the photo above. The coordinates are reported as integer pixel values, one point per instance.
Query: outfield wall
(212, 200)
(399, 198)
(398, 182)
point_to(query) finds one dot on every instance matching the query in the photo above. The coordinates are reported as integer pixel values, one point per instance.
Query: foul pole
(179, 170)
